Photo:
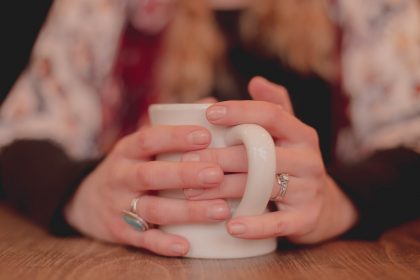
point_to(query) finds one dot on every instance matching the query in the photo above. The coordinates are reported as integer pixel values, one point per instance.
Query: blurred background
(20, 24)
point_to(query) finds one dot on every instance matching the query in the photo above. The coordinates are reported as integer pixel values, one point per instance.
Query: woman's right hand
(129, 172)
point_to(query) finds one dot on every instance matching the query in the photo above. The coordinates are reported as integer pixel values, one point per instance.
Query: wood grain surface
(26, 252)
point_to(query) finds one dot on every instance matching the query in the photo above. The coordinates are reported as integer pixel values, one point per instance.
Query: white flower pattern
(57, 97)
(381, 75)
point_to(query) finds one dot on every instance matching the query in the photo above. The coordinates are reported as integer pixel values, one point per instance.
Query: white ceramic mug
(212, 240)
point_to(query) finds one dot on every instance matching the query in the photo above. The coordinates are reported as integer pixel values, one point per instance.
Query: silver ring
(133, 219)
(283, 181)
(133, 205)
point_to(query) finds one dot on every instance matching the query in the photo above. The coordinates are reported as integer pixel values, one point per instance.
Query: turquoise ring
(134, 220)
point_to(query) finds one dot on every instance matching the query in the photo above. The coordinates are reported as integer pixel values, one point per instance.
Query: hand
(314, 208)
(129, 172)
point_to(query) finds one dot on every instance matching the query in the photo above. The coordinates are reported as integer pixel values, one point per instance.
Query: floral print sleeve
(58, 96)
(381, 75)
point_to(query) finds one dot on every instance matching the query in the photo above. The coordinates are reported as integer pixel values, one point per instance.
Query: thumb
(263, 90)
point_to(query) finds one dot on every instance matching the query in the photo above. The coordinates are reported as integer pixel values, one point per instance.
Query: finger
(152, 239)
(166, 211)
(233, 186)
(152, 140)
(156, 241)
(263, 90)
(272, 224)
(278, 122)
(294, 160)
(160, 175)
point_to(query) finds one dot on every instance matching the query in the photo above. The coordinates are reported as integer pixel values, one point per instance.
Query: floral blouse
(381, 75)
(59, 95)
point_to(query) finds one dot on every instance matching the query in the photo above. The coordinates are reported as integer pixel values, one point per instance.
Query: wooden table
(26, 252)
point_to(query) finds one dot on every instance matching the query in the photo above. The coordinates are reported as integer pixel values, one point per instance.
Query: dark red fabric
(339, 101)
(134, 70)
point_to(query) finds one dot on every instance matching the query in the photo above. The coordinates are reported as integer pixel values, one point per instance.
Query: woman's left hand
(314, 208)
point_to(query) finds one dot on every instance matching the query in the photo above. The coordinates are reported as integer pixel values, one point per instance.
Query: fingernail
(236, 229)
(218, 212)
(179, 248)
(193, 192)
(199, 137)
(191, 157)
(210, 175)
(216, 112)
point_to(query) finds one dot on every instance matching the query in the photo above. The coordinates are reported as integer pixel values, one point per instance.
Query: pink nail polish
(199, 137)
(178, 248)
(216, 113)
(237, 229)
(218, 212)
(210, 175)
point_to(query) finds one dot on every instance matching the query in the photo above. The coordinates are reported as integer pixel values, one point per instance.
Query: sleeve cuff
(384, 188)
(38, 178)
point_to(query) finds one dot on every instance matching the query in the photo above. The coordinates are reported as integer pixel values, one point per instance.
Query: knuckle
(316, 167)
(312, 135)
(314, 192)
(153, 212)
(278, 228)
(159, 246)
(319, 170)
(146, 240)
(319, 190)
(273, 113)
(185, 177)
(178, 135)
(156, 244)
(143, 173)
(194, 211)
(120, 146)
(309, 221)
(117, 176)
(208, 155)
(145, 144)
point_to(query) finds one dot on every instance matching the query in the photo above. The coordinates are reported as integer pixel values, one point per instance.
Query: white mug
(213, 240)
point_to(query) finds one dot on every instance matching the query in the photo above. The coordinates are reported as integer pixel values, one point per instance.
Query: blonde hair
(298, 32)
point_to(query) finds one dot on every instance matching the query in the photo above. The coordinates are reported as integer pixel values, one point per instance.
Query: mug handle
(261, 155)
